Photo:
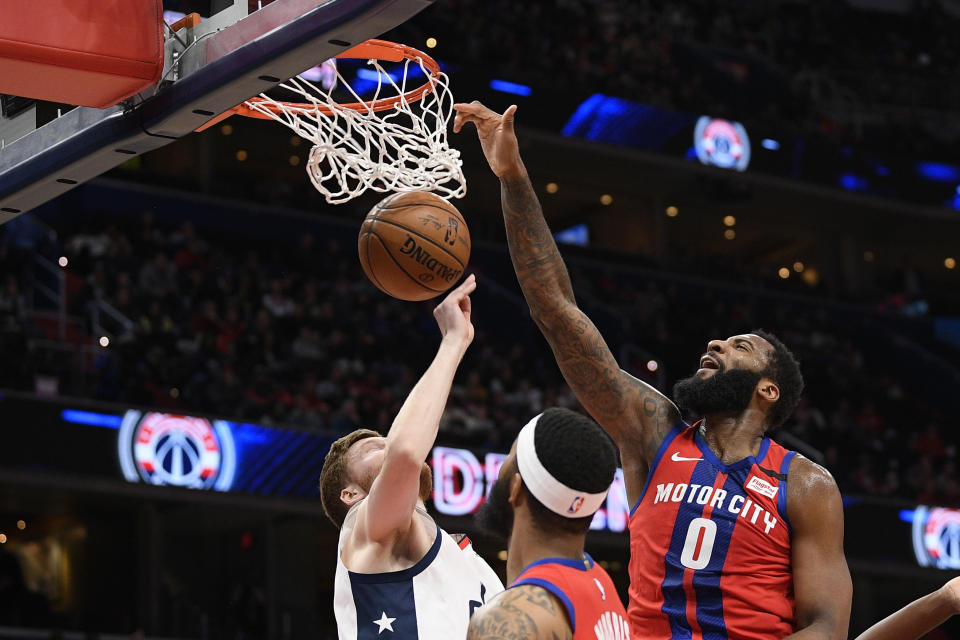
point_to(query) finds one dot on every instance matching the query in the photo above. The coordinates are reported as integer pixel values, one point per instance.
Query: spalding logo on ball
(722, 143)
(414, 245)
(176, 450)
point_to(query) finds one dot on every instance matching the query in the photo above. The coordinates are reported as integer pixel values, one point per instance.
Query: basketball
(414, 246)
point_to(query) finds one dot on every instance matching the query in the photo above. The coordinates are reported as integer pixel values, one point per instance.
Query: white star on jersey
(384, 623)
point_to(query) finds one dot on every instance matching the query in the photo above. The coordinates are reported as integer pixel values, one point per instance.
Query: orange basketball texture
(414, 246)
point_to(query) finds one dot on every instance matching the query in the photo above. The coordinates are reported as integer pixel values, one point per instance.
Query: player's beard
(426, 482)
(495, 516)
(723, 392)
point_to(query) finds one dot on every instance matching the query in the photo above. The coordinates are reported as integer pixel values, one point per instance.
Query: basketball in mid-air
(414, 245)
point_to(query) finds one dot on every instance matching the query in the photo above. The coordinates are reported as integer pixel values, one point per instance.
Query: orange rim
(371, 49)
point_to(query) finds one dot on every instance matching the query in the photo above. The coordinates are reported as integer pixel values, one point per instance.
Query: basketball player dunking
(556, 476)
(397, 571)
(731, 535)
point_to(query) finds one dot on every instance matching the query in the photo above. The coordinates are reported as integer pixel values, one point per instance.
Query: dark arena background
(707, 166)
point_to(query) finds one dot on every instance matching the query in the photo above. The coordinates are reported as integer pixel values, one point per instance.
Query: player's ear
(351, 494)
(768, 390)
(516, 485)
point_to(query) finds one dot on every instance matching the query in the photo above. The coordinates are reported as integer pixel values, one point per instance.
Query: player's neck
(734, 437)
(529, 544)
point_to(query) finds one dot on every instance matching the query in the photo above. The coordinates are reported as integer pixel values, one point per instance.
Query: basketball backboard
(216, 65)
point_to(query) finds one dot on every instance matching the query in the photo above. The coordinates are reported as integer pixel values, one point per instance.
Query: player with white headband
(557, 475)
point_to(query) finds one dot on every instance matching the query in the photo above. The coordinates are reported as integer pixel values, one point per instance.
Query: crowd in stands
(800, 67)
(291, 333)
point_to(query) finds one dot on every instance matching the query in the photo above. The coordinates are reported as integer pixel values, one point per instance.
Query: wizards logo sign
(722, 143)
(936, 537)
(176, 450)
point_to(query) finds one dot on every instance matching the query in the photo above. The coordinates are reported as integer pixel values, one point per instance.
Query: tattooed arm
(522, 613)
(634, 413)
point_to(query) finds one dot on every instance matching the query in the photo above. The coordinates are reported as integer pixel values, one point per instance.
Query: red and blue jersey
(710, 545)
(593, 607)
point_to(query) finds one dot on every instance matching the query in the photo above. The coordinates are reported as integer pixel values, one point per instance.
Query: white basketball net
(400, 149)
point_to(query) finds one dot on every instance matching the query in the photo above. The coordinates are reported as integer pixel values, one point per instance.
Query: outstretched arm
(526, 612)
(821, 580)
(393, 495)
(919, 617)
(634, 413)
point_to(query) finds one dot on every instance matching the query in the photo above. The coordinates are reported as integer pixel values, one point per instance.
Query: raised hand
(453, 314)
(497, 138)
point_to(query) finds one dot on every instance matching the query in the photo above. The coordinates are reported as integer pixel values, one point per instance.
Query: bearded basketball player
(556, 477)
(398, 574)
(731, 535)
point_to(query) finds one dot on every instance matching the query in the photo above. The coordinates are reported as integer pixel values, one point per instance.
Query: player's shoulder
(525, 611)
(812, 492)
(807, 476)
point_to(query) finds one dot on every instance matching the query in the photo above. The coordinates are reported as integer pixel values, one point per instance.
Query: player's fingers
(468, 286)
(463, 119)
(476, 107)
(508, 115)
(476, 110)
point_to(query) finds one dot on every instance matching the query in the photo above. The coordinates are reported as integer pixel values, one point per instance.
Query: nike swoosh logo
(676, 457)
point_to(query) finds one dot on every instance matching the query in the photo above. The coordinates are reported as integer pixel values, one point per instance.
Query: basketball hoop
(394, 141)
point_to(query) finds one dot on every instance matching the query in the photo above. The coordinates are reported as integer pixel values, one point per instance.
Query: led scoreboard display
(157, 448)
(461, 482)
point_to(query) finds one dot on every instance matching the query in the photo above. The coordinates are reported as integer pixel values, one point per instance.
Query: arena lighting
(652, 365)
(954, 202)
(578, 235)
(852, 182)
(241, 155)
(21, 525)
(672, 212)
(173, 16)
(729, 221)
(3, 538)
(374, 76)
(505, 86)
(63, 262)
(104, 341)
(552, 187)
(461, 482)
(938, 171)
(606, 199)
(91, 418)
(798, 266)
(226, 129)
(729, 234)
(771, 145)
(784, 273)
(431, 43)
(950, 263)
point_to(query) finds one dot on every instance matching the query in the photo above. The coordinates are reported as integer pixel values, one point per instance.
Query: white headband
(554, 495)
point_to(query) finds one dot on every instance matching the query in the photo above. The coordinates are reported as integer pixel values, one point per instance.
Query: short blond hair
(335, 476)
